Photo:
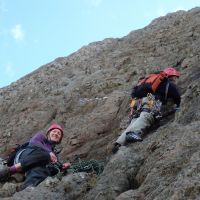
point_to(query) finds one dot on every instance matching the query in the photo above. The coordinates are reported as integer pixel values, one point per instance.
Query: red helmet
(170, 71)
(55, 126)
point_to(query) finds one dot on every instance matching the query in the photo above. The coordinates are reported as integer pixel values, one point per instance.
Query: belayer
(148, 96)
(37, 159)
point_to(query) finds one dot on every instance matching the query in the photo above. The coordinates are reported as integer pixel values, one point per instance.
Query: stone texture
(88, 92)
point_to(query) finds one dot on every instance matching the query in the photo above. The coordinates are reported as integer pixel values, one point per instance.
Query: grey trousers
(139, 125)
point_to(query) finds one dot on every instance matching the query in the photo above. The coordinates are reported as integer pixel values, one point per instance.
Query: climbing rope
(86, 166)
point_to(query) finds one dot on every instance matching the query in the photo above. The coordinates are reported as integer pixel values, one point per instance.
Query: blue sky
(35, 32)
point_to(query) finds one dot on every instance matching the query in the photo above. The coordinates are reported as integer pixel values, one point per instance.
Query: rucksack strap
(166, 90)
(16, 160)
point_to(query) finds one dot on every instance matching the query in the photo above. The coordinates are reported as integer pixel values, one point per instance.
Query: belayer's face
(55, 135)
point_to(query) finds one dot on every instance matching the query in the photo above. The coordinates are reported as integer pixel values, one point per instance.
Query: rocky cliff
(88, 93)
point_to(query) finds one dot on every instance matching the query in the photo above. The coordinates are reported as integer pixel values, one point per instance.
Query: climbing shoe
(4, 173)
(116, 148)
(133, 137)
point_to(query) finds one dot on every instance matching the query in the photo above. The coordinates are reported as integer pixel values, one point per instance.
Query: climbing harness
(154, 105)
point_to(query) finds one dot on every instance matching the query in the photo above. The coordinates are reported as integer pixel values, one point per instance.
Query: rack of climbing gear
(135, 109)
(155, 104)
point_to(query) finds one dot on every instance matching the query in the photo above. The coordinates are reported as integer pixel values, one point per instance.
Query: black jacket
(172, 92)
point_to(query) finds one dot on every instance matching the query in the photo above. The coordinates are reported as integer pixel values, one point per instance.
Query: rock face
(88, 93)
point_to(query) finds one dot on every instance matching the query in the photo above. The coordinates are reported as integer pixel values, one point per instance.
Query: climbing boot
(133, 137)
(4, 173)
(116, 147)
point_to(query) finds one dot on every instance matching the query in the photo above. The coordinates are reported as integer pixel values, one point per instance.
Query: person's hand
(66, 165)
(53, 157)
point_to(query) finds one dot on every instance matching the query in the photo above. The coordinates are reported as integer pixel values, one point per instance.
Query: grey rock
(88, 92)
